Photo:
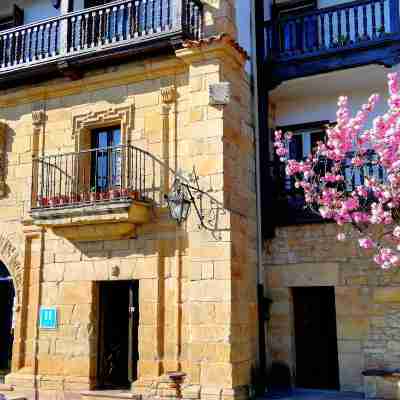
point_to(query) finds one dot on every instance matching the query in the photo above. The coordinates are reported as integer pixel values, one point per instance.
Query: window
(106, 159)
(305, 139)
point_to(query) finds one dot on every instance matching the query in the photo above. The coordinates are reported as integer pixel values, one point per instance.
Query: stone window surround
(83, 124)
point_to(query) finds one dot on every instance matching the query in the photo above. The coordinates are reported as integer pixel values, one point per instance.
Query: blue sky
(243, 23)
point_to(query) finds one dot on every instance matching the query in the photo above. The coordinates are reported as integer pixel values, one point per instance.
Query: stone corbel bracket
(3, 155)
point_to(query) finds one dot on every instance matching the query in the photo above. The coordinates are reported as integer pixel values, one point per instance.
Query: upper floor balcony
(103, 192)
(289, 201)
(79, 39)
(306, 41)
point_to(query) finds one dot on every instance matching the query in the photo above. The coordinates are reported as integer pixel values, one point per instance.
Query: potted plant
(124, 192)
(342, 41)
(43, 201)
(64, 199)
(134, 194)
(381, 31)
(94, 196)
(54, 201)
(103, 195)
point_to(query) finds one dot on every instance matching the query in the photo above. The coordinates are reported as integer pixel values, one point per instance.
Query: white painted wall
(315, 98)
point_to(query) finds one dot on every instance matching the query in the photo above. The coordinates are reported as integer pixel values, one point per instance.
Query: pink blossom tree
(353, 176)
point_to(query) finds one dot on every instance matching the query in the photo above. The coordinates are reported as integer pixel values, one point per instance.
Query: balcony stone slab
(94, 221)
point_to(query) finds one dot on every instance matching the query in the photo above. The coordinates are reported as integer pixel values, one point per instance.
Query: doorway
(317, 365)
(118, 334)
(7, 295)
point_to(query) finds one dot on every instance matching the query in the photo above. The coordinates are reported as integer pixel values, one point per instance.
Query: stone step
(109, 395)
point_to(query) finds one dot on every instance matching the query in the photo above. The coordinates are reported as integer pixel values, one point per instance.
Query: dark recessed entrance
(118, 334)
(317, 364)
(6, 316)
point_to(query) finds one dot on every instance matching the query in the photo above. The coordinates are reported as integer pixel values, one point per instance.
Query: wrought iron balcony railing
(117, 27)
(320, 35)
(290, 201)
(98, 175)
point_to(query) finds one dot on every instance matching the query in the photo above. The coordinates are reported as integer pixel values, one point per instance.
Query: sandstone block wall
(367, 298)
(197, 288)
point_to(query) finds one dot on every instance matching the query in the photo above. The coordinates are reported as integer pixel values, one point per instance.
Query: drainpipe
(260, 105)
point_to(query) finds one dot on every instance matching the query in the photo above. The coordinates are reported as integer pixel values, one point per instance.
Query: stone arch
(10, 257)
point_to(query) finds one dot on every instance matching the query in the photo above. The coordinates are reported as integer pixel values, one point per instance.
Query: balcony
(289, 201)
(80, 39)
(97, 193)
(348, 35)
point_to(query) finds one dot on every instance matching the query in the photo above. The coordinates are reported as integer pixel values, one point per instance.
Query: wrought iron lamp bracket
(190, 187)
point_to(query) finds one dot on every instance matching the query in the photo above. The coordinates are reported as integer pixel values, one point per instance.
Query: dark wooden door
(118, 344)
(317, 364)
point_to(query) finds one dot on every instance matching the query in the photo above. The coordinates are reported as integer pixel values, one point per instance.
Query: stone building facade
(366, 301)
(196, 309)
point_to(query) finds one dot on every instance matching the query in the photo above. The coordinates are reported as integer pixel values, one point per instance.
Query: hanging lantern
(178, 202)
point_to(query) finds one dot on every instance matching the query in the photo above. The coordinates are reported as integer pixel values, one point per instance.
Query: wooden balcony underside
(104, 34)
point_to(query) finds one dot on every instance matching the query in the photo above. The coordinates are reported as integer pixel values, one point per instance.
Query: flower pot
(124, 192)
(93, 196)
(43, 201)
(54, 201)
(64, 200)
(134, 195)
(104, 196)
(114, 194)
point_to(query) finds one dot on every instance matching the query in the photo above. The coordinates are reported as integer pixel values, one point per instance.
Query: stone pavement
(306, 394)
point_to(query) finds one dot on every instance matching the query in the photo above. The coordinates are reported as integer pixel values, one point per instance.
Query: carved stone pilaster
(3, 142)
(38, 122)
(168, 97)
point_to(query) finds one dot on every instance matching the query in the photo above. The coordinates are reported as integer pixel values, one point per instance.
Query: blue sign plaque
(48, 318)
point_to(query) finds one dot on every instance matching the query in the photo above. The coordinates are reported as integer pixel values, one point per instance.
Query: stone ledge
(99, 221)
(109, 394)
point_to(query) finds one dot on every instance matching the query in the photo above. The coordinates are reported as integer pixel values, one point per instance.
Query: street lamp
(178, 202)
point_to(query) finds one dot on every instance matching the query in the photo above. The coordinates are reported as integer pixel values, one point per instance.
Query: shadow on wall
(279, 378)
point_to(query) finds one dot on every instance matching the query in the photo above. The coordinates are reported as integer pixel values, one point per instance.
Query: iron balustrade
(289, 200)
(96, 175)
(114, 24)
(349, 25)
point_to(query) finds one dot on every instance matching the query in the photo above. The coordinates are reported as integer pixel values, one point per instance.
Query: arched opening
(7, 295)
